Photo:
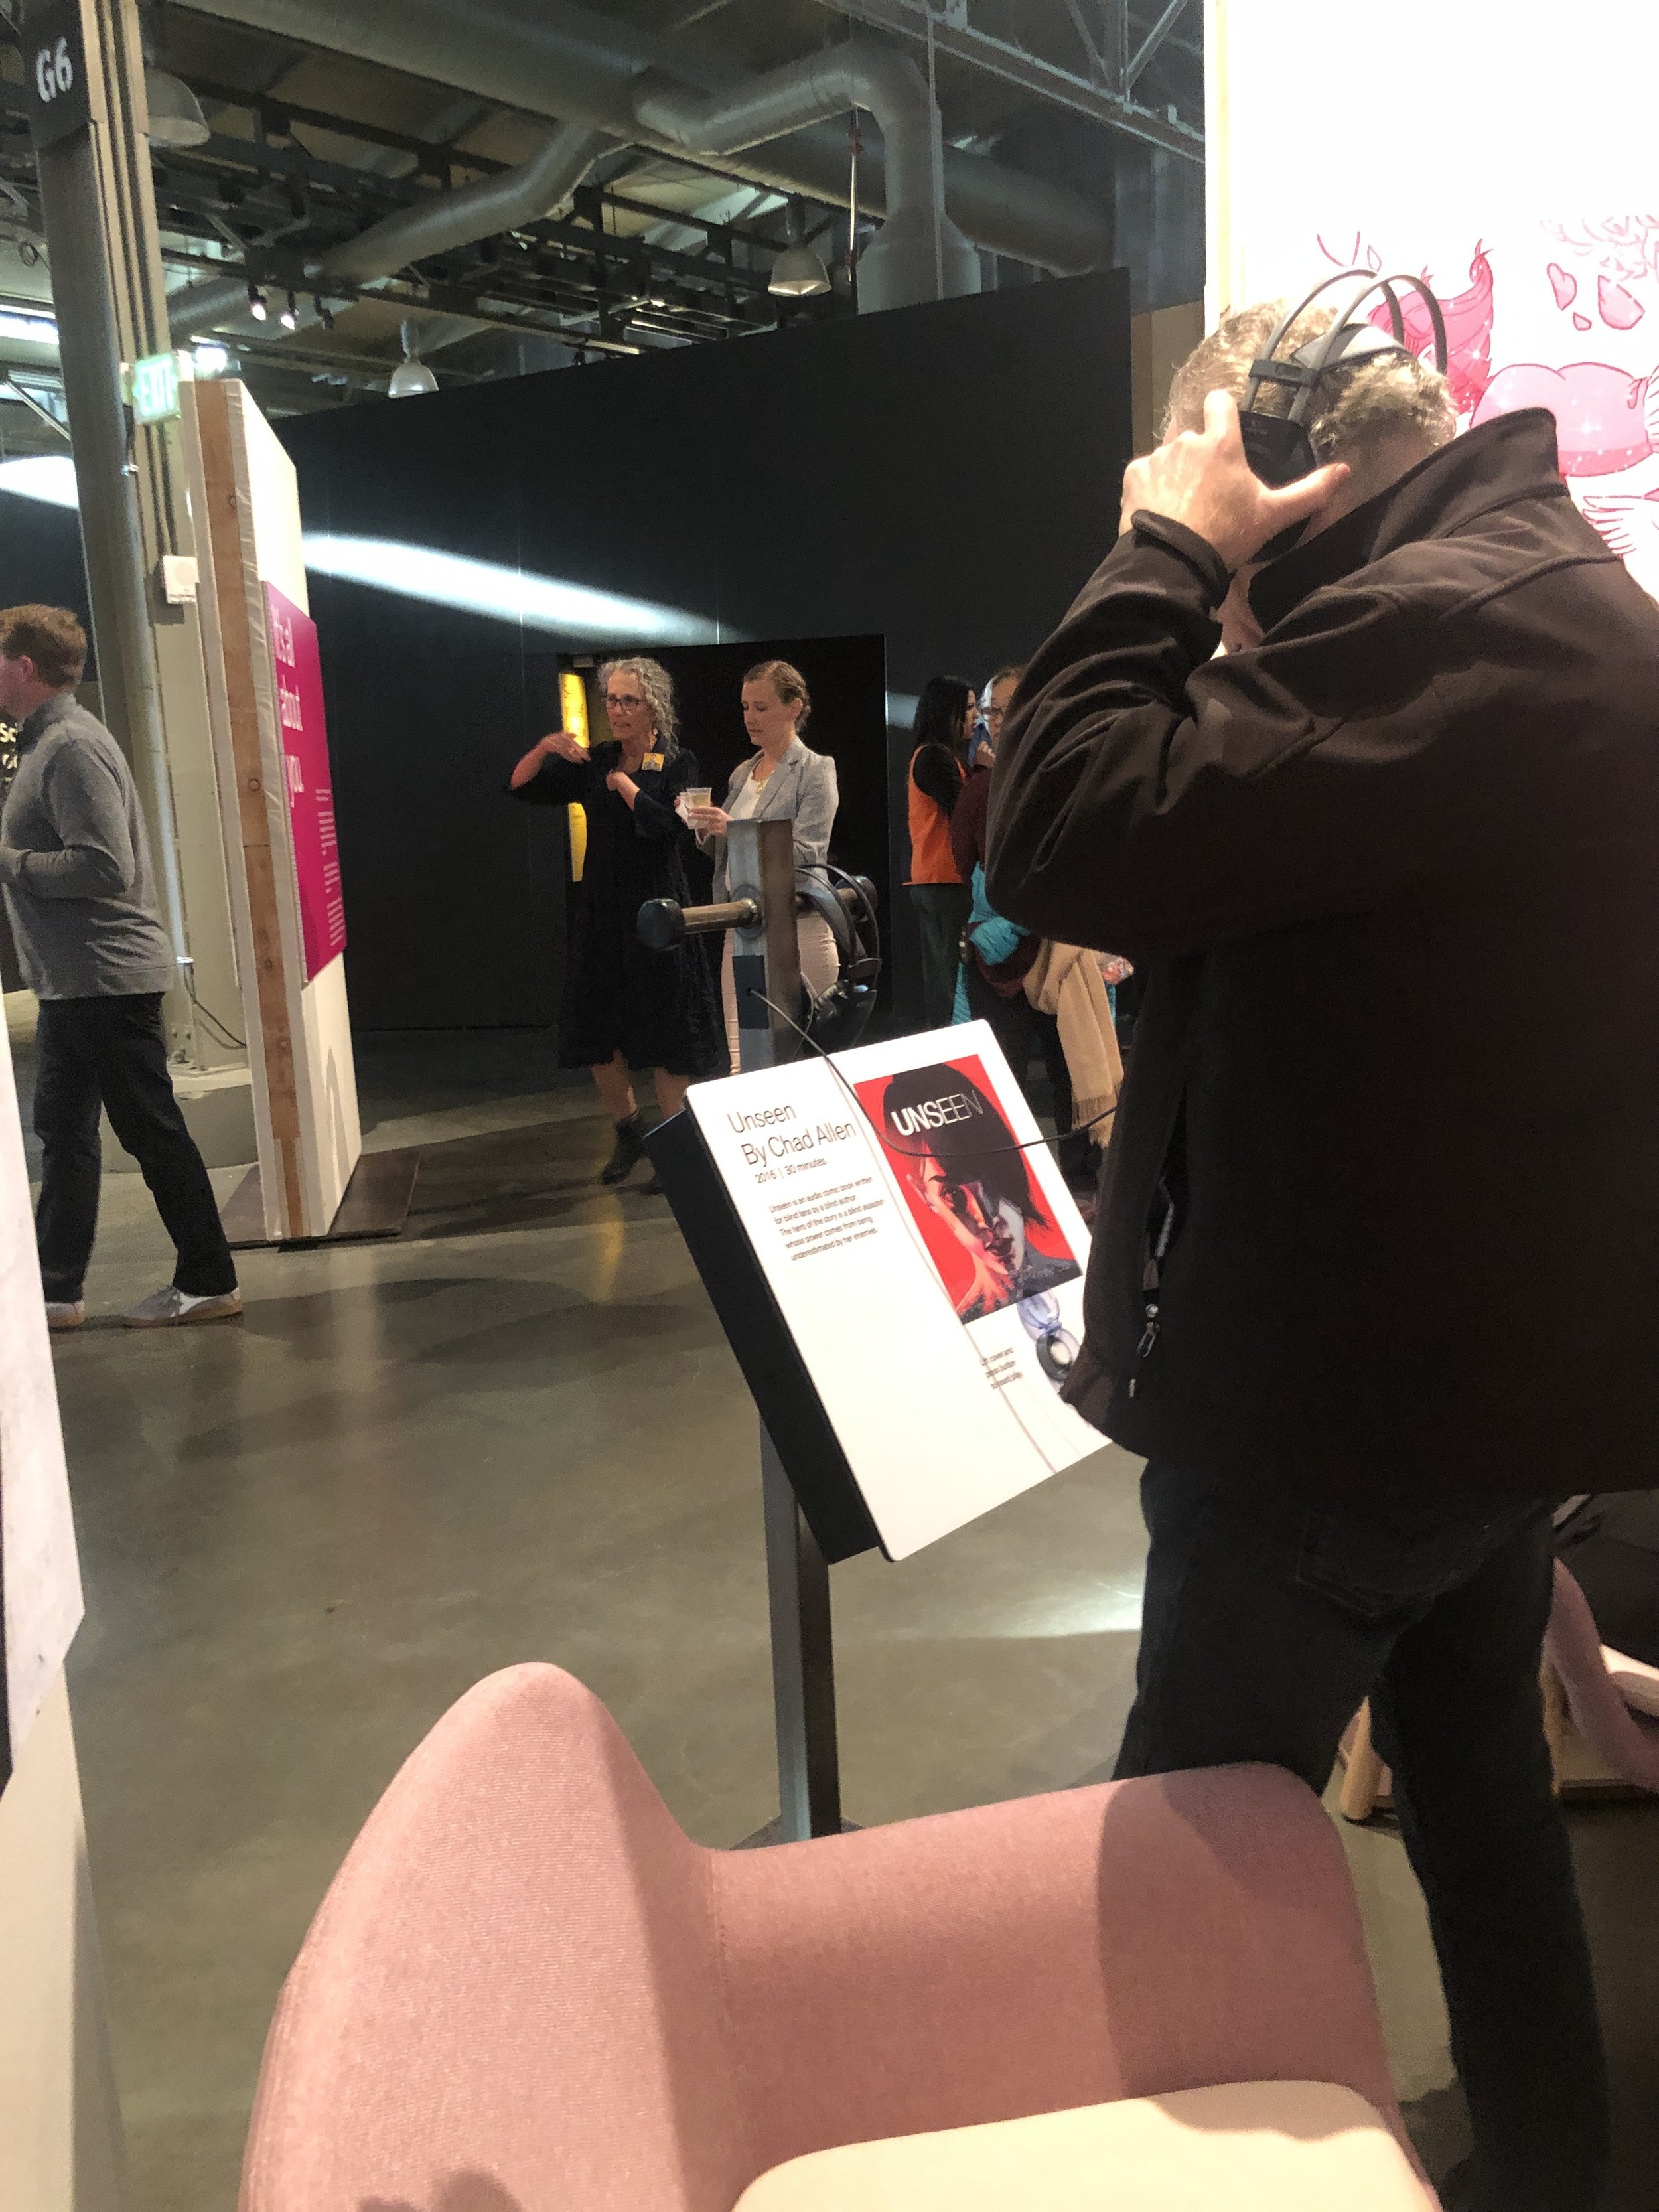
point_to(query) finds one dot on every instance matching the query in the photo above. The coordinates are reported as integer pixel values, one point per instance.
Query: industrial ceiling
(514, 185)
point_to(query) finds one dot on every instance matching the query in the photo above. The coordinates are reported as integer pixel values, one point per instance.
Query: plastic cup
(699, 794)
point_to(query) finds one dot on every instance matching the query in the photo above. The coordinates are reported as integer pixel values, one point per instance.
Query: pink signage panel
(310, 786)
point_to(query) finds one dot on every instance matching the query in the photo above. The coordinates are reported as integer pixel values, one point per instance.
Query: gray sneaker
(174, 1308)
(65, 1313)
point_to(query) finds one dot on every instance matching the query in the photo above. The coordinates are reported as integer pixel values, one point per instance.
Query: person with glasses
(627, 1009)
(985, 716)
(997, 694)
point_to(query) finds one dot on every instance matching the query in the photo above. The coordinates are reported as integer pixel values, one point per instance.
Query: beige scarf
(1064, 981)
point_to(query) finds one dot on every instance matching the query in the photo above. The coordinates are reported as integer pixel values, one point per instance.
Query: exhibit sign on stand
(1451, 150)
(899, 1264)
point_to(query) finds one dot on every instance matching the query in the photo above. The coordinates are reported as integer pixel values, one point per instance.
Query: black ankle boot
(1080, 1160)
(629, 1151)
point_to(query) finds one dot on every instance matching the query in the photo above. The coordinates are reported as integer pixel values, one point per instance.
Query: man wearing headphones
(1374, 1281)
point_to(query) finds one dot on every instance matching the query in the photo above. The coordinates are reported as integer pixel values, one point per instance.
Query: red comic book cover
(979, 1208)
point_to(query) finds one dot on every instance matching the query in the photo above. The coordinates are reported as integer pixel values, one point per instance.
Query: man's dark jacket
(1396, 871)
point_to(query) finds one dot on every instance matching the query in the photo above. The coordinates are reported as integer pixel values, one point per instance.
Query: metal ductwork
(438, 224)
(919, 254)
(554, 58)
(444, 221)
(206, 305)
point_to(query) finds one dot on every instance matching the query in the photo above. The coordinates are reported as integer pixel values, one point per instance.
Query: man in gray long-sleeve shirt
(75, 871)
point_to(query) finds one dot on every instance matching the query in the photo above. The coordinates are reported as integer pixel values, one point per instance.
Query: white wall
(331, 1138)
(59, 2124)
(60, 2130)
(1461, 142)
(313, 1027)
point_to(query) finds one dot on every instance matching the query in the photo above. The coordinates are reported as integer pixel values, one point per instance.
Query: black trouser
(112, 1052)
(1266, 1623)
(941, 910)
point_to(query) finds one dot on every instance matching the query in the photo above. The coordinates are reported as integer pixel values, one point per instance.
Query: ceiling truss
(1105, 95)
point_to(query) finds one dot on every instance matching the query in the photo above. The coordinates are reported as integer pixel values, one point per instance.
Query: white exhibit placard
(927, 1258)
(40, 1572)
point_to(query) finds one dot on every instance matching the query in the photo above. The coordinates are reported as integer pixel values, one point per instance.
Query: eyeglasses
(625, 700)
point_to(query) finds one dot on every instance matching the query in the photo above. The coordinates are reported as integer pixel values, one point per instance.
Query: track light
(289, 317)
(256, 303)
(324, 315)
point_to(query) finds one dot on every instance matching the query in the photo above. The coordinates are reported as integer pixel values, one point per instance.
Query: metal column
(84, 81)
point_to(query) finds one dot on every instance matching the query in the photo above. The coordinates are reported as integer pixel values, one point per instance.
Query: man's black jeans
(112, 1051)
(1266, 1623)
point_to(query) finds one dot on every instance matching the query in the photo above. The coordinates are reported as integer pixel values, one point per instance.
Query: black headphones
(1278, 446)
(838, 1017)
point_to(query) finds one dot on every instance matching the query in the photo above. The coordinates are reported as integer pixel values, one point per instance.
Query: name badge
(652, 761)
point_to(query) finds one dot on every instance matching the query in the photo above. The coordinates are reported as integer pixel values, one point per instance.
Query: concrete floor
(518, 1434)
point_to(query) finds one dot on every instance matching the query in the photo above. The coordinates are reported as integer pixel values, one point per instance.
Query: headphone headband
(1278, 446)
(1306, 368)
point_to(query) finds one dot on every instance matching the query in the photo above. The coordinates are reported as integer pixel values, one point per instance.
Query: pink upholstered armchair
(527, 1990)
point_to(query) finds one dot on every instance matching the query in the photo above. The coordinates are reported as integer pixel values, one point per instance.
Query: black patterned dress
(658, 1009)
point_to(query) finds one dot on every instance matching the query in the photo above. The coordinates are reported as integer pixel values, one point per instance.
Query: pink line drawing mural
(1468, 320)
(1599, 412)
(1468, 331)
(1607, 411)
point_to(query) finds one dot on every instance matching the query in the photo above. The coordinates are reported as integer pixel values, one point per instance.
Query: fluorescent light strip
(489, 587)
(28, 330)
(48, 477)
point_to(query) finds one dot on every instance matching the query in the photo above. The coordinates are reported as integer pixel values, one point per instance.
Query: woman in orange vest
(937, 891)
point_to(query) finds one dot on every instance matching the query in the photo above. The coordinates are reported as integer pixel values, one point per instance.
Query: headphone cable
(984, 1153)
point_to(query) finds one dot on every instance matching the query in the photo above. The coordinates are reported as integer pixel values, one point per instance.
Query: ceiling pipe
(205, 307)
(441, 222)
(560, 60)
(919, 254)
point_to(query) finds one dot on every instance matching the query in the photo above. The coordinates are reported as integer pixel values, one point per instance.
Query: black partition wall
(40, 554)
(941, 478)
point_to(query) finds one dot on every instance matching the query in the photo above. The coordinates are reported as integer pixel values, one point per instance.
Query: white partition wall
(293, 996)
(1503, 153)
(60, 2143)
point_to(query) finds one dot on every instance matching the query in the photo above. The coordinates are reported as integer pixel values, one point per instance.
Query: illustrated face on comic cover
(1559, 311)
(980, 1214)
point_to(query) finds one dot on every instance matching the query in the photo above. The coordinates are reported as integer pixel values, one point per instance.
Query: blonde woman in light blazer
(785, 779)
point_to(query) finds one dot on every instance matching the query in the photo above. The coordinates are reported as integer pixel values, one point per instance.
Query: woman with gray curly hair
(626, 1009)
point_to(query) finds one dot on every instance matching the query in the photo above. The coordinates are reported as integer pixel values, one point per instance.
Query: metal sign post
(766, 976)
(766, 973)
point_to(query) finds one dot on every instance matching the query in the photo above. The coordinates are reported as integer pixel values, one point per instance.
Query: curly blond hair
(658, 685)
(1385, 396)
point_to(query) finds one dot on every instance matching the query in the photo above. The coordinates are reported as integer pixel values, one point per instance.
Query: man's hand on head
(1202, 479)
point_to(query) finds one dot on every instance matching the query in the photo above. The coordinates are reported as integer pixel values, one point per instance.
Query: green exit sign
(156, 388)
